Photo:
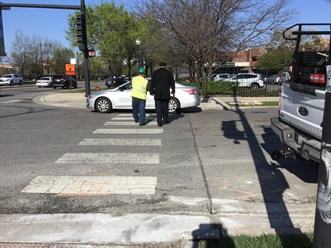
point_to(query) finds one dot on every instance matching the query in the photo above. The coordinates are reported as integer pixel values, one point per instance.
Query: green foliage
(220, 87)
(277, 59)
(231, 88)
(268, 241)
(112, 31)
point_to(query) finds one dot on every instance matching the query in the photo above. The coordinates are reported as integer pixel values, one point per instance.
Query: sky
(50, 24)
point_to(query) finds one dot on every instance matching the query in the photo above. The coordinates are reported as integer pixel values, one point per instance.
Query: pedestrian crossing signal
(91, 53)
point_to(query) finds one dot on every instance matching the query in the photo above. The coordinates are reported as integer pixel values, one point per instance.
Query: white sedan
(45, 82)
(119, 98)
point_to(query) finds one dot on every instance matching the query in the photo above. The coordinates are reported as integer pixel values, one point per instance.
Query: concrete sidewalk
(78, 100)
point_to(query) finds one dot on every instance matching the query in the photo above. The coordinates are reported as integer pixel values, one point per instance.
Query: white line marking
(109, 158)
(120, 142)
(147, 115)
(126, 123)
(12, 101)
(88, 185)
(129, 131)
(127, 118)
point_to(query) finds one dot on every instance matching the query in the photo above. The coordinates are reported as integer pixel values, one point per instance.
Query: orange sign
(70, 69)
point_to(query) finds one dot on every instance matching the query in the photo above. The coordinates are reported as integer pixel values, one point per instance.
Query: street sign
(70, 69)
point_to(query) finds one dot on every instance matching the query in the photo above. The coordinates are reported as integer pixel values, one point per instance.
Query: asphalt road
(211, 164)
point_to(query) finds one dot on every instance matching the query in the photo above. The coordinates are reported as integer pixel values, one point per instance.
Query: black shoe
(142, 124)
(160, 125)
(166, 122)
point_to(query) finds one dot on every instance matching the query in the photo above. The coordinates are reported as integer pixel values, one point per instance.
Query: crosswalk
(122, 124)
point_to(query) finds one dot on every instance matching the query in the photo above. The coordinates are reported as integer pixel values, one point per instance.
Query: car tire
(11, 83)
(21, 83)
(174, 106)
(103, 105)
(254, 86)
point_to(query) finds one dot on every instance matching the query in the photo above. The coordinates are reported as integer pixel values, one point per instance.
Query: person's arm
(172, 84)
(152, 85)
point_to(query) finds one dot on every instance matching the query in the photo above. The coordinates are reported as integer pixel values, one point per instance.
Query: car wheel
(103, 105)
(254, 86)
(11, 83)
(21, 82)
(173, 106)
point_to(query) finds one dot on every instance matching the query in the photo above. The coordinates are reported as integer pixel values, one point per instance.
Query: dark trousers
(162, 111)
(138, 109)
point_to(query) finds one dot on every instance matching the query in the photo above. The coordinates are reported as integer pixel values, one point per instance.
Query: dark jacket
(161, 83)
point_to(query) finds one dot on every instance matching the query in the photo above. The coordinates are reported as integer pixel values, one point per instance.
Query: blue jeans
(138, 109)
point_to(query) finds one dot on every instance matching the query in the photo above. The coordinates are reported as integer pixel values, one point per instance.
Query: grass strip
(304, 240)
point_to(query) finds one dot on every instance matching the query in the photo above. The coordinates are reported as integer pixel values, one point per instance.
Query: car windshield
(125, 86)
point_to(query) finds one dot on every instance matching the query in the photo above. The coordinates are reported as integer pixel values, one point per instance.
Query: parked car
(11, 79)
(221, 76)
(252, 80)
(45, 82)
(113, 82)
(273, 79)
(119, 98)
(285, 76)
(64, 81)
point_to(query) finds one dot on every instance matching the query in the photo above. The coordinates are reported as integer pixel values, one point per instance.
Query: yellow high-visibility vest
(139, 87)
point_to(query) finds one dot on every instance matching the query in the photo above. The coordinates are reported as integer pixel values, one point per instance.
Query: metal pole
(322, 231)
(41, 59)
(85, 50)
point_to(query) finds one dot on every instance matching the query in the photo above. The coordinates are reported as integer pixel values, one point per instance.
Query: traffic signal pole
(85, 48)
(322, 230)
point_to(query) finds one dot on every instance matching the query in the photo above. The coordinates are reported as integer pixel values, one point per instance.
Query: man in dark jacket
(161, 83)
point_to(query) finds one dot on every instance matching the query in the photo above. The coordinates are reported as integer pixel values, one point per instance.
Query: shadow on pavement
(272, 181)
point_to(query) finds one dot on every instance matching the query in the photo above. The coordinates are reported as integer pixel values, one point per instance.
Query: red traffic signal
(91, 53)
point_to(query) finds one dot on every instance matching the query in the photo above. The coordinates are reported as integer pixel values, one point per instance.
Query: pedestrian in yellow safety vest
(139, 96)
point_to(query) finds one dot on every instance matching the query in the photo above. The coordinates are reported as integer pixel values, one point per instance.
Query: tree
(112, 31)
(20, 52)
(279, 52)
(202, 29)
(34, 57)
(276, 60)
(61, 57)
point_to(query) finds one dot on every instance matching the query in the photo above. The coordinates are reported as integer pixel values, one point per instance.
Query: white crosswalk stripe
(127, 123)
(128, 131)
(120, 142)
(147, 115)
(109, 158)
(89, 185)
(128, 118)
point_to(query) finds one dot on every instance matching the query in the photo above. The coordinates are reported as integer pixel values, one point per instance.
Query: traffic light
(79, 29)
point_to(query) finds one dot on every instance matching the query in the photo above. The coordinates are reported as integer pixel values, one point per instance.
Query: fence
(222, 88)
(244, 85)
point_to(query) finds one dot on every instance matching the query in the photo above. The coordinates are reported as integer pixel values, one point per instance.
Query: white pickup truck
(302, 97)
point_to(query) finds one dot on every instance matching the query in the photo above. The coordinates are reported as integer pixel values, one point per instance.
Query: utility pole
(322, 231)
